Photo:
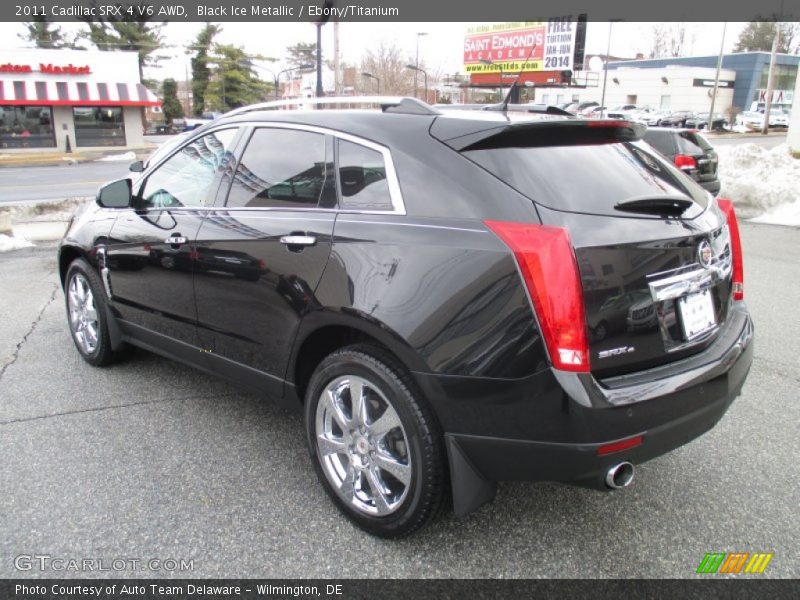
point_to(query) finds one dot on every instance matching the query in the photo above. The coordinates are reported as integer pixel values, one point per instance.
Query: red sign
(11, 68)
(69, 69)
(505, 46)
(47, 69)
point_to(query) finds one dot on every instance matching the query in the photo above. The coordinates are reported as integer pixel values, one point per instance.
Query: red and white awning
(75, 93)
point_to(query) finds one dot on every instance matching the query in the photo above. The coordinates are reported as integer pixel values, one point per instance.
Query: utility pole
(320, 93)
(716, 79)
(337, 82)
(771, 78)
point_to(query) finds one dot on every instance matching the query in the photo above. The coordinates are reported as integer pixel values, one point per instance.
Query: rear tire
(86, 314)
(380, 459)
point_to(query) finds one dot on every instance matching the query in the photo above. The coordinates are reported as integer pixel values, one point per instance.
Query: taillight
(737, 280)
(547, 262)
(682, 161)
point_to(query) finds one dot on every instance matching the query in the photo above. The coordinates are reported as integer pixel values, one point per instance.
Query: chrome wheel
(83, 314)
(362, 446)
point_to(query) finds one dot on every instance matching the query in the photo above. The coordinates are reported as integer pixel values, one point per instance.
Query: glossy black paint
(436, 288)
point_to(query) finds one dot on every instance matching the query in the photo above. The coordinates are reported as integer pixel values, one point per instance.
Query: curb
(63, 159)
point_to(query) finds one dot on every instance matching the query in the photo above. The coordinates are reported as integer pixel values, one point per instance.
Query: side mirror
(116, 194)
(136, 167)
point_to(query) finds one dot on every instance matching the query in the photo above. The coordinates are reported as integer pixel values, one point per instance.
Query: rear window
(587, 178)
(690, 142)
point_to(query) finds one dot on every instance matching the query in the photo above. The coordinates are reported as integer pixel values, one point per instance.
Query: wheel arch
(325, 332)
(67, 254)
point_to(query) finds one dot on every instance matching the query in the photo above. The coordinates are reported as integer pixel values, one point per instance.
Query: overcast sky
(441, 49)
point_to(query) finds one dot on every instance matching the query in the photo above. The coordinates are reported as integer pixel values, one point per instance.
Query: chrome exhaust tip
(620, 476)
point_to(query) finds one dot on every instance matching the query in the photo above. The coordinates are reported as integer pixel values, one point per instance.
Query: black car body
(454, 259)
(690, 152)
(700, 121)
(676, 119)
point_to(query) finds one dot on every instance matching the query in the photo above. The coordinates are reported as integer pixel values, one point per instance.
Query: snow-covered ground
(764, 184)
(10, 242)
(126, 156)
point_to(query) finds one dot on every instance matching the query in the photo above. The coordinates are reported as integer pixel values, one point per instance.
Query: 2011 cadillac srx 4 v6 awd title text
(453, 298)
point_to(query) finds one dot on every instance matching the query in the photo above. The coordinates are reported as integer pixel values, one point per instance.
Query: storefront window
(26, 127)
(99, 126)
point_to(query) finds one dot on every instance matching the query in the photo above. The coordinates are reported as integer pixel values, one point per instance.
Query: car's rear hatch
(692, 144)
(652, 247)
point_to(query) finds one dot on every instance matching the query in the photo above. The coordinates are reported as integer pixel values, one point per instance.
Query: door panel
(150, 253)
(252, 287)
(151, 280)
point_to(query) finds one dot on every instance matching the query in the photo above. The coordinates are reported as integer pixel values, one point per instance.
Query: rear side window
(690, 142)
(587, 178)
(283, 168)
(362, 178)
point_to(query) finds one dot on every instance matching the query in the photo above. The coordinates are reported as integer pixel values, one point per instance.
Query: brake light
(682, 161)
(737, 280)
(547, 261)
(620, 446)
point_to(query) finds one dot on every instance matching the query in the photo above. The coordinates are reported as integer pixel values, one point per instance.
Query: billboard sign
(521, 46)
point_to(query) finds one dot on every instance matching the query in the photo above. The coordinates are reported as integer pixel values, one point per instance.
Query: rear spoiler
(534, 133)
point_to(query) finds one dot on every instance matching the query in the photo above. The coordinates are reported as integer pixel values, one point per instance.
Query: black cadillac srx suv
(428, 287)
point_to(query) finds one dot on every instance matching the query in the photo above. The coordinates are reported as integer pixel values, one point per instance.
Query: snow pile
(10, 242)
(118, 157)
(760, 180)
(785, 214)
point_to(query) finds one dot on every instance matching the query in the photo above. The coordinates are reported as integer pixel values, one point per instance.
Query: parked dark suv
(420, 284)
(690, 152)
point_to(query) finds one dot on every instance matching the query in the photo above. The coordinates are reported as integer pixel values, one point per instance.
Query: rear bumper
(668, 406)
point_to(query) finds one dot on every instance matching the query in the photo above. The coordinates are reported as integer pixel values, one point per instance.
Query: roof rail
(394, 104)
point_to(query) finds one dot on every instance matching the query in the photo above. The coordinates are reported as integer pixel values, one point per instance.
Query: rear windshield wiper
(663, 205)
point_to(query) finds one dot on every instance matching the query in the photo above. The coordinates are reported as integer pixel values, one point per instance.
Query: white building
(89, 99)
(669, 88)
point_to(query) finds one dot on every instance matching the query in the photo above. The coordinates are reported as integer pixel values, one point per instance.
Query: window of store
(26, 127)
(99, 126)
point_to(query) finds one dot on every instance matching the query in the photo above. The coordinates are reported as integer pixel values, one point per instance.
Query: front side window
(362, 178)
(99, 126)
(283, 168)
(26, 127)
(186, 178)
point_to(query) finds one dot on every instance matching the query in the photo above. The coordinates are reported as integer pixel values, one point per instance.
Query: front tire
(375, 444)
(86, 314)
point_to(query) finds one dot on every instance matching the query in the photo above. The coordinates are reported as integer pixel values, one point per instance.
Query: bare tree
(387, 63)
(669, 40)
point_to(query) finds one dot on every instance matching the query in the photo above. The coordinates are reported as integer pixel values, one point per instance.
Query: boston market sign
(47, 69)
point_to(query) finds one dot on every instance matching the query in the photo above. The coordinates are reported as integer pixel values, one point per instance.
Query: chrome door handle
(175, 240)
(298, 240)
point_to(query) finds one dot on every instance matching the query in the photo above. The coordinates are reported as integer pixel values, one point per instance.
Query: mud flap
(471, 489)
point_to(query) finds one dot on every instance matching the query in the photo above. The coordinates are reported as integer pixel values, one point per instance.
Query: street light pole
(425, 73)
(416, 63)
(377, 79)
(486, 61)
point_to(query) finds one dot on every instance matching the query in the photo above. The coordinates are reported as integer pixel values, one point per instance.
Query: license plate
(697, 314)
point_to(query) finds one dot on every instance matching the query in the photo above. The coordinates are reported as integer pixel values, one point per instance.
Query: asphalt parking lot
(150, 459)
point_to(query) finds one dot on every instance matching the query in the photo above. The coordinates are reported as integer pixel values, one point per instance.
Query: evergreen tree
(758, 35)
(169, 103)
(44, 34)
(200, 65)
